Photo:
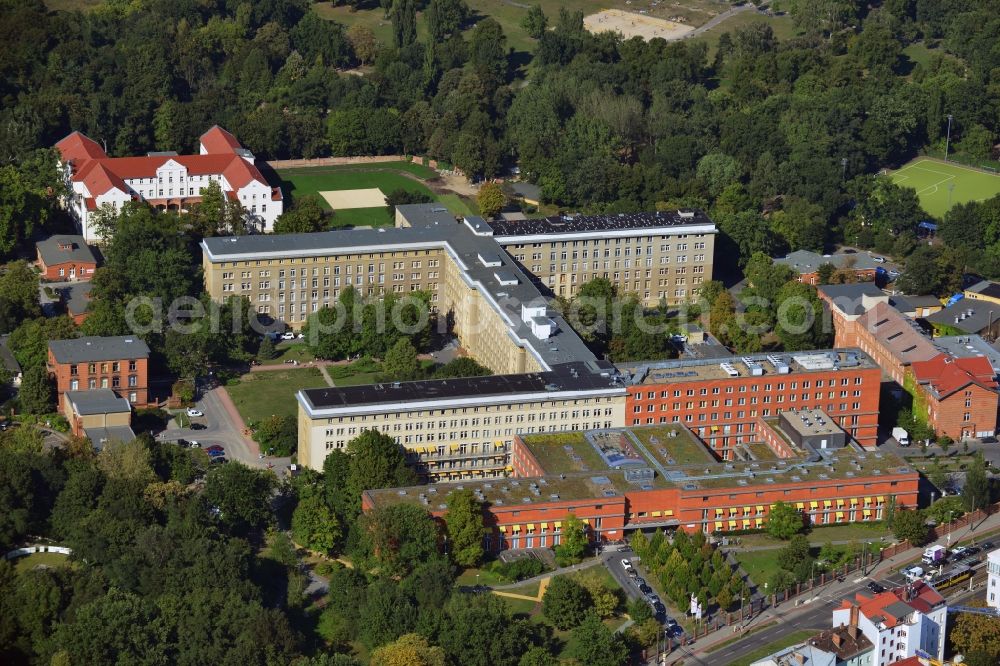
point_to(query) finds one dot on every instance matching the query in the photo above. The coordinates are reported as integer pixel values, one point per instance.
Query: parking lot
(625, 568)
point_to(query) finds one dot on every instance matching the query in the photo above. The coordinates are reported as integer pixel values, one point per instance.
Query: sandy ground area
(366, 198)
(631, 24)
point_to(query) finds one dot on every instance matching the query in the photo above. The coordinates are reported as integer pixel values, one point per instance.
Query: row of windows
(637, 409)
(595, 242)
(115, 366)
(819, 383)
(740, 414)
(404, 440)
(133, 382)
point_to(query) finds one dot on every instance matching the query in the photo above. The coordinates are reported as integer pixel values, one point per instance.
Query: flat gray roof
(52, 253)
(101, 436)
(804, 261)
(77, 296)
(968, 346)
(97, 401)
(984, 314)
(444, 232)
(423, 215)
(595, 224)
(93, 348)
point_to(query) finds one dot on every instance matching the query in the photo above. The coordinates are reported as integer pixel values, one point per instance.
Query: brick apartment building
(120, 364)
(894, 341)
(862, 267)
(663, 477)
(959, 394)
(65, 258)
(721, 399)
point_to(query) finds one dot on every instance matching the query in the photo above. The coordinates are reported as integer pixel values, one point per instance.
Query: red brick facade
(717, 509)
(127, 377)
(723, 411)
(959, 394)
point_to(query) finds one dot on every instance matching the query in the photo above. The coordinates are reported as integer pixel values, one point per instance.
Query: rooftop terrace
(777, 365)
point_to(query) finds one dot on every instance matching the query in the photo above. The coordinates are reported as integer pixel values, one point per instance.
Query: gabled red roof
(947, 374)
(218, 140)
(78, 147)
(921, 597)
(99, 179)
(102, 173)
(909, 661)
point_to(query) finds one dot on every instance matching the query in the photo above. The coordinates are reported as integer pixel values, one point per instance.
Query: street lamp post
(947, 140)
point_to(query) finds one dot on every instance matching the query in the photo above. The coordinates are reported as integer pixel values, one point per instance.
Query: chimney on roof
(854, 616)
(800, 658)
(837, 640)
(852, 631)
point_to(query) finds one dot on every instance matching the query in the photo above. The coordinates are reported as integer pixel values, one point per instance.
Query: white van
(913, 573)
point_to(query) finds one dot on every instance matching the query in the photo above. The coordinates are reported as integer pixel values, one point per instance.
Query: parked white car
(287, 335)
(194, 412)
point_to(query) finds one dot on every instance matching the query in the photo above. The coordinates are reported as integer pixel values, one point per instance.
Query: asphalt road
(220, 429)
(819, 614)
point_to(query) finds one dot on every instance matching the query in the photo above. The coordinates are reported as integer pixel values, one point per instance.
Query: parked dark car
(216, 453)
(876, 588)
(987, 545)
(219, 461)
(973, 550)
(645, 589)
(675, 631)
(640, 581)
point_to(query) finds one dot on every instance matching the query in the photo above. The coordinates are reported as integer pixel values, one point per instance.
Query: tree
(445, 18)
(374, 460)
(795, 552)
(977, 634)
(400, 362)
(401, 196)
(266, 351)
(314, 525)
(404, 22)
(535, 22)
(565, 602)
(717, 171)
(464, 525)
(783, 521)
(463, 366)
(241, 495)
(216, 214)
(491, 199)
(976, 492)
(825, 273)
(574, 542)
(605, 601)
(364, 42)
(478, 630)
(36, 394)
(306, 216)
(117, 627)
(396, 538)
(488, 53)
(910, 525)
(799, 318)
(277, 434)
(639, 611)
(594, 644)
(18, 295)
(408, 650)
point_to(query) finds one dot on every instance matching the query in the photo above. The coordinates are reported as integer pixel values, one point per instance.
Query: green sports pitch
(940, 185)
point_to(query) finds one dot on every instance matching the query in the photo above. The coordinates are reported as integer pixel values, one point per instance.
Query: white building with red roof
(898, 622)
(166, 181)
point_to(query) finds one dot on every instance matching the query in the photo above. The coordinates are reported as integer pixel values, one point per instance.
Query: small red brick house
(65, 258)
(960, 395)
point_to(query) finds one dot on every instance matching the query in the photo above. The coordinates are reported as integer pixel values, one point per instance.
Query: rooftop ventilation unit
(779, 365)
(729, 369)
(755, 368)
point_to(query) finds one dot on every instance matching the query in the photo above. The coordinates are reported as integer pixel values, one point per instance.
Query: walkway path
(593, 562)
(326, 375)
(542, 585)
(716, 20)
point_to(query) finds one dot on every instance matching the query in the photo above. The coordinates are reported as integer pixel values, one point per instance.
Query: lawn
(469, 577)
(785, 641)
(294, 351)
(940, 185)
(781, 25)
(363, 371)
(29, 562)
(386, 176)
(820, 535)
(760, 565)
(258, 395)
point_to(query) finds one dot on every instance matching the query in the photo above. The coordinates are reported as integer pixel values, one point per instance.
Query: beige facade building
(661, 256)
(477, 276)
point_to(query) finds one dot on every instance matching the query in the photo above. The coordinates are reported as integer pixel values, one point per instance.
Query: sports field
(940, 185)
(384, 176)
